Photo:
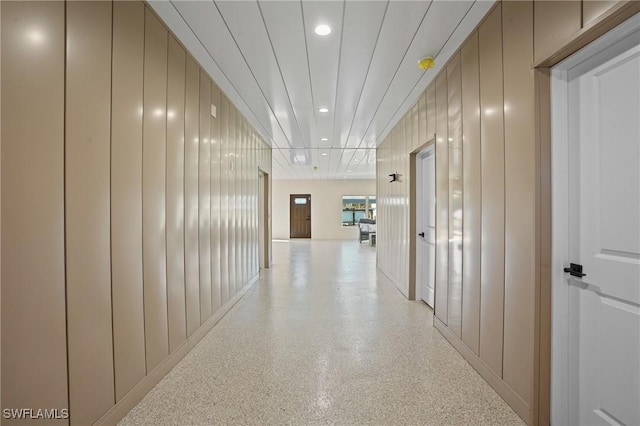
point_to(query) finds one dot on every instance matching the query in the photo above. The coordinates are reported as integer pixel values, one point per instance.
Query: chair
(364, 229)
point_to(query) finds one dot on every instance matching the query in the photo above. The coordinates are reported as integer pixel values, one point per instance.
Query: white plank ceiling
(267, 58)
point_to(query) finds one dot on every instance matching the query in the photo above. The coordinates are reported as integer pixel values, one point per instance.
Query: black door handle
(421, 234)
(575, 270)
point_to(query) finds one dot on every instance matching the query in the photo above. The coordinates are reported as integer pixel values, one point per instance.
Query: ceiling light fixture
(324, 139)
(323, 30)
(323, 109)
(324, 154)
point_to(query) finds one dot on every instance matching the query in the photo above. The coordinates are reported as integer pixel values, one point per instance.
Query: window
(356, 207)
(300, 200)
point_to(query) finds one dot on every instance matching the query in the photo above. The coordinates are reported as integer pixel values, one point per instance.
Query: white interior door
(426, 225)
(596, 149)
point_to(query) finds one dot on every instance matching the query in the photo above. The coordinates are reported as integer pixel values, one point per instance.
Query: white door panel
(610, 174)
(597, 318)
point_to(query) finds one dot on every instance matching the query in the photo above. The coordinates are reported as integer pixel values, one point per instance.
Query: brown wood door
(300, 216)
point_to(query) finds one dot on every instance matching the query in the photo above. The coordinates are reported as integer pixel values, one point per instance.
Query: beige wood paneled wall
(87, 209)
(34, 344)
(126, 196)
(492, 182)
(117, 242)
(471, 193)
(176, 79)
(482, 108)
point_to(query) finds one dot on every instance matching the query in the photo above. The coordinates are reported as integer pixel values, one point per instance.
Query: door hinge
(575, 270)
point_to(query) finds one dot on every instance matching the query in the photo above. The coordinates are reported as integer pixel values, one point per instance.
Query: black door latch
(421, 234)
(575, 270)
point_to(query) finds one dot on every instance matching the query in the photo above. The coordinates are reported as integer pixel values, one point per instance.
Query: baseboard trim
(392, 281)
(514, 400)
(135, 395)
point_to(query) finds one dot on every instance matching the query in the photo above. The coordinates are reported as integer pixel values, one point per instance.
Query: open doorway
(300, 216)
(425, 225)
(263, 219)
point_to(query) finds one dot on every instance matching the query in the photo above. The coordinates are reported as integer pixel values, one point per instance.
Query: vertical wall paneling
(87, 210)
(397, 231)
(520, 189)
(253, 207)
(593, 9)
(442, 199)
(422, 119)
(492, 157)
(249, 206)
(215, 199)
(153, 191)
(191, 175)
(245, 197)
(455, 195)
(238, 197)
(415, 138)
(430, 100)
(175, 194)
(257, 165)
(555, 22)
(204, 197)
(126, 195)
(224, 197)
(232, 200)
(116, 176)
(406, 166)
(256, 216)
(34, 349)
(472, 196)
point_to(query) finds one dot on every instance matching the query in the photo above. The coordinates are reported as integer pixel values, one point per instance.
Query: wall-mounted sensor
(426, 63)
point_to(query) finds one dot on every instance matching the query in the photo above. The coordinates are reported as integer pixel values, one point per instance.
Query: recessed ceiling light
(323, 110)
(324, 154)
(323, 30)
(324, 139)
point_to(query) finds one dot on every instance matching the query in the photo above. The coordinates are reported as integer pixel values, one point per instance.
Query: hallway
(323, 338)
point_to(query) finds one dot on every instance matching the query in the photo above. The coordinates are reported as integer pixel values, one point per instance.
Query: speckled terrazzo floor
(323, 339)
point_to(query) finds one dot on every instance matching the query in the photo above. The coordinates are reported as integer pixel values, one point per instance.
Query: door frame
(417, 159)
(560, 178)
(413, 225)
(291, 197)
